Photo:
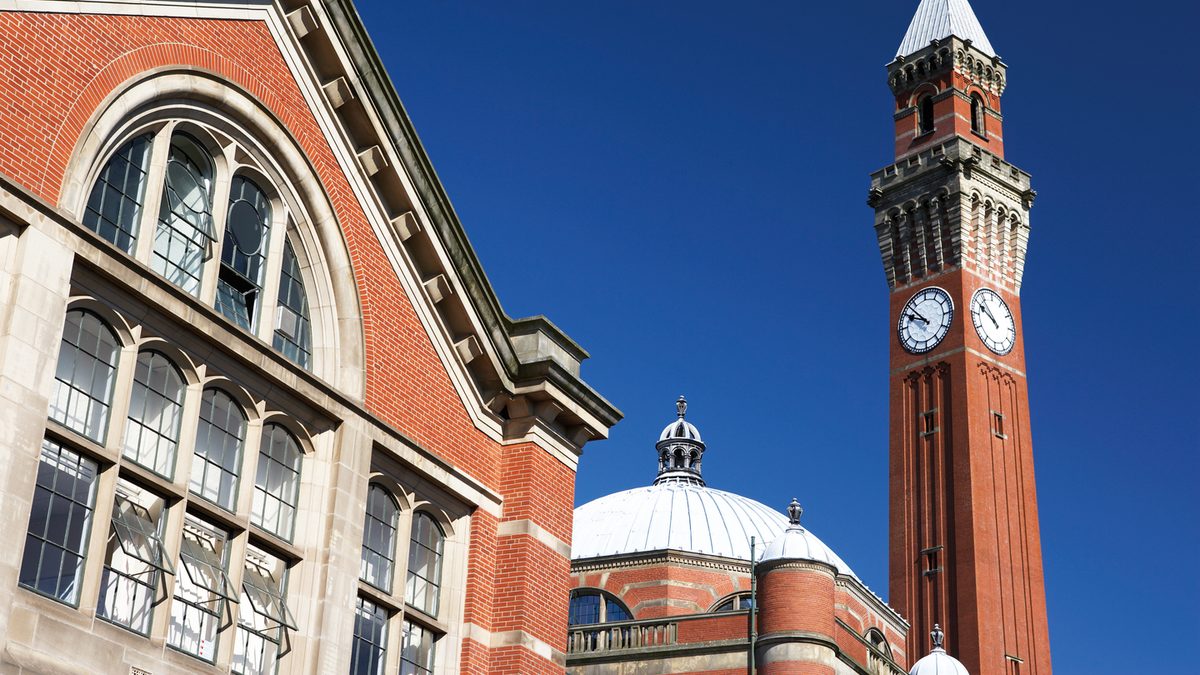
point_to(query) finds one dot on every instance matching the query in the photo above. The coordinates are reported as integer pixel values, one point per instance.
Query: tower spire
(938, 20)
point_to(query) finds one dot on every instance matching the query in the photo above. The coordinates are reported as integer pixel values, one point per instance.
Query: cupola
(680, 450)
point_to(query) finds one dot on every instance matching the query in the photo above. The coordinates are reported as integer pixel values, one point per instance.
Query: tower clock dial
(993, 321)
(925, 320)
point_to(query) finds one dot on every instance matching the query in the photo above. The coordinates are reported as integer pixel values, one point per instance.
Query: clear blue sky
(680, 186)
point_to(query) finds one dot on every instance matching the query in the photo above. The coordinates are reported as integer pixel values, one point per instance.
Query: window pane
(219, 442)
(585, 608)
(293, 332)
(370, 639)
(115, 206)
(202, 590)
(614, 611)
(134, 560)
(155, 412)
(263, 617)
(59, 523)
(424, 564)
(416, 654)
(379, 539)
(83, 381)
(243, 252)
(184, 237)
(277, 483)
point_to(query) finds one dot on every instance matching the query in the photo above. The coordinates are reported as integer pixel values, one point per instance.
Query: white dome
(797, 543)
(938, 662)
(680, 428)
(675, 515)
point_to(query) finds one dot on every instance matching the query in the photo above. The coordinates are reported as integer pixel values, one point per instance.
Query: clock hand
(917, 315)
(987, 310)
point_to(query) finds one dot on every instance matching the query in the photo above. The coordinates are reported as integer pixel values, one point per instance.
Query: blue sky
(680, 186)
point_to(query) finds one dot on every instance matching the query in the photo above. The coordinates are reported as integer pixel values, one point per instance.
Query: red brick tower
(952, 221)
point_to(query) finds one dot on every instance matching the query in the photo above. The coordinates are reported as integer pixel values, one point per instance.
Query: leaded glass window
(277, 483)
(219, 442)
(243, 252)
(184, 236)
(293, 330)
(379, 539)
(592, 606)
(369, 652)
(202, 590)
(83, 381)
(114, 208)
(736, 603)
(584, 609)
(424, 564)
(59, 523)
(135, 564)
(264, 620)
(155, 413)
(416, 652)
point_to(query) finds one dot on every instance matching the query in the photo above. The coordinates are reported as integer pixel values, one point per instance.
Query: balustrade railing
(607, 637)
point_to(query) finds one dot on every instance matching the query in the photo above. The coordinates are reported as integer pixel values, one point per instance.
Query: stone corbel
(302, 21)
(874, 197)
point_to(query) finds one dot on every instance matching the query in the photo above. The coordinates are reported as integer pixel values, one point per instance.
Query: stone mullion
(919, 224)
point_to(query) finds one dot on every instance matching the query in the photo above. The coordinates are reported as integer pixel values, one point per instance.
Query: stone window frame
(244, 137)
(605, 597)
(738, 596)
(113, 466)
(453, 521)
(231, 160)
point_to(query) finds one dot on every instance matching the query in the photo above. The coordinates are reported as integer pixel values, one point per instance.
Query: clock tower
(952, 219)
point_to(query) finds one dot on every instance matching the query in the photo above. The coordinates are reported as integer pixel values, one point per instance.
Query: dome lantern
(680, 450)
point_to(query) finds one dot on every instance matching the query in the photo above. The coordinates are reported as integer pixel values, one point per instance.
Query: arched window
(277, 483)
(978, 125)
(114, 208)
(219, 442)
(293, 330)
(257, 228)
(880, 647)
(590, 606)
(736, 603)
(243, 253)
(925, 114)
(379, 539)
(425, 564)
(184, 237)
(83, 381)
(155, 412)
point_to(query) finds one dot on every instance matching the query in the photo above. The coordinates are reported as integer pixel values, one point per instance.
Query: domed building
(664, 577)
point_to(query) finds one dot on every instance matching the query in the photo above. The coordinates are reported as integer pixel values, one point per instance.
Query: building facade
(263, 412)
(663, 582)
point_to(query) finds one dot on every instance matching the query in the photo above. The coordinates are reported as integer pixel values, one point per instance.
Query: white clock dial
(925, 320)
(993, 321)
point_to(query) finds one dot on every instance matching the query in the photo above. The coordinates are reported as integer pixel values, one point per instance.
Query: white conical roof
(938, 19)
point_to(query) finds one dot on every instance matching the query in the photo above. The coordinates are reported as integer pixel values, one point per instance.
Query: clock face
(925, 320)
(993, 321)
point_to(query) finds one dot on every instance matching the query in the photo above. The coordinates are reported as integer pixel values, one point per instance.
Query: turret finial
(795, 511)
(681, 406)
(937, 635)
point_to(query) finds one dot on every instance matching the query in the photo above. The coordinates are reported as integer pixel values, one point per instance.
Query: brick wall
(58, 69)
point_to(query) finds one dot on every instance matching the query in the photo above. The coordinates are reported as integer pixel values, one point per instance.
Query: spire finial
(794, 512)
(681, 406)
(937, 635)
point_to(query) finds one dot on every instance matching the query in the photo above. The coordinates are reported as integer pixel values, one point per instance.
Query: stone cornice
(659, 557)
